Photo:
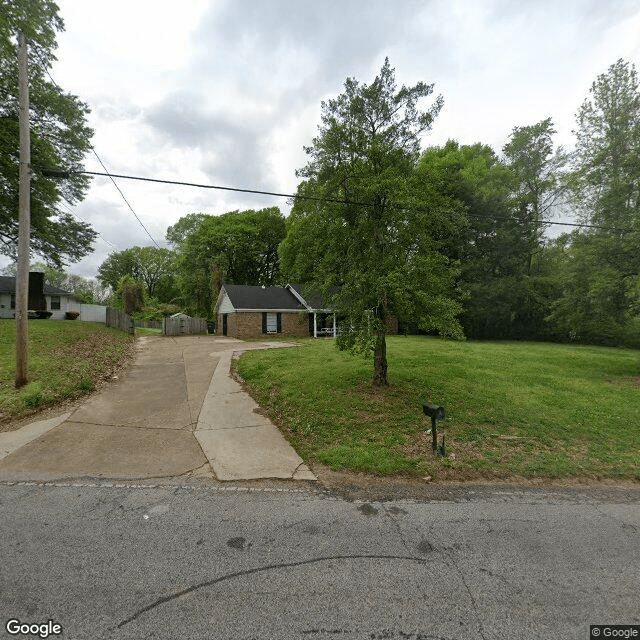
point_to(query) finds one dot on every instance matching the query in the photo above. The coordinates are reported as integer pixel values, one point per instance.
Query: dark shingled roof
(8, 285)
(314, 300)
(248, 297)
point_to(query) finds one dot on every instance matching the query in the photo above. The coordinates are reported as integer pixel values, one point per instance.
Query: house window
(55, 303)
(13, 300)
(271, 322)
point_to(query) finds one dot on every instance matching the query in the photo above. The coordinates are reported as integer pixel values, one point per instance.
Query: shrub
(71, 315)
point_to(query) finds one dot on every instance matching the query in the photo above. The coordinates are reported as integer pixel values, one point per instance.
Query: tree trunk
(380, 362)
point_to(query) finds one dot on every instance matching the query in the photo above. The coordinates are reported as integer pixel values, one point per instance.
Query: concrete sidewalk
(176, 412)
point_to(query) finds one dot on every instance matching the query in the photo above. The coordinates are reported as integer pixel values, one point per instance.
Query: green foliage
(32, 396)
(601, 270)
(86, 385)
(59, 138)
(377, 253)
(187, 225)
(131, 293)
(154, 267)
(155, 310)
(239, 247)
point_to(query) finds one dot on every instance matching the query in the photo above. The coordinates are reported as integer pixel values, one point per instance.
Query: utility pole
(24, 230)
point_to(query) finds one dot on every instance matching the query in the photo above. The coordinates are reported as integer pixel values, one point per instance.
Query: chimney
(37, 301)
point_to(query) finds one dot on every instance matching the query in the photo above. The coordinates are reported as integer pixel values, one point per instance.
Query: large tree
(239, 247)
(376, 248)
(601, 291)
(59, 138)
(538, 189)
(152, 266)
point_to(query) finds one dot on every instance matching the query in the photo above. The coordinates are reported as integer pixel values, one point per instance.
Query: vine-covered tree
(59, 138)
(375, 251)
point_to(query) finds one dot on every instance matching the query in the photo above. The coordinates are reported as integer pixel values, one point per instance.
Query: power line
(212, 186)
(69, 210)
(95, 153)
(63, 174)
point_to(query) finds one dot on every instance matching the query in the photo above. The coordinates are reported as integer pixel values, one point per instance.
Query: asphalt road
(291, 561)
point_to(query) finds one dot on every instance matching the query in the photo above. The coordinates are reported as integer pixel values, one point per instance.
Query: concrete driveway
(176, 412)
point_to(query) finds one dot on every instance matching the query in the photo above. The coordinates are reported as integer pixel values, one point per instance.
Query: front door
(224, 324)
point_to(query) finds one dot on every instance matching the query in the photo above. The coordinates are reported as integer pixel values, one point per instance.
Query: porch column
(334, 325)
(315, 326)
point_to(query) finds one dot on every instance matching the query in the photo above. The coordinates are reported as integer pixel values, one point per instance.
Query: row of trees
(453, 240)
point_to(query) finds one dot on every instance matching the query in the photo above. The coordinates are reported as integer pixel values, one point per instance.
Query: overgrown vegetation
(513, 408)
(66, 359)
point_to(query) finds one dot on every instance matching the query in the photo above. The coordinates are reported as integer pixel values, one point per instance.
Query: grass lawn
(513, 408)
(148, 331)
(66, 359)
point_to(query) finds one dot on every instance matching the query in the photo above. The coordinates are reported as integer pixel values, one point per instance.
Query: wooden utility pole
(22, 274)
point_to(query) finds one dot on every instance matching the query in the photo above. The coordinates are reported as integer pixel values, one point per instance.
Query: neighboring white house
(58, 301)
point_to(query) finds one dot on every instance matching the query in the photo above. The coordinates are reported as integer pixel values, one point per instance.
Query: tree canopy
(153, 267)
(239, 247)
(59, 138)
(378, 253)
(600, 299)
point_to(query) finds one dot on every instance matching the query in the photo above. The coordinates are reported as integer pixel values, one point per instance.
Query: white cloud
(229, 92)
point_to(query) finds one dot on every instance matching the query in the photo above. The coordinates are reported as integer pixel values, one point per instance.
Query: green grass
(529, 409)
(148, 331)
(65, 360)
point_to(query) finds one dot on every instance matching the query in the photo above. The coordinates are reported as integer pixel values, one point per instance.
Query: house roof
(8, 285)
(258, 298)
(314, 300)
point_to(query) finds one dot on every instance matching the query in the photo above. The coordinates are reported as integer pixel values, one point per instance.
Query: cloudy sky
(227, 92)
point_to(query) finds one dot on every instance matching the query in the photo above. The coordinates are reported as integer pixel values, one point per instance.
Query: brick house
(244, 311)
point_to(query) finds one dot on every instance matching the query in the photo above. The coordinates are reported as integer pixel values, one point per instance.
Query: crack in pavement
(248, 572)
(474, 604)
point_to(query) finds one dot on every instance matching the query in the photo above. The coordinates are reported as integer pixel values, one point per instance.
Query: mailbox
(434, 411)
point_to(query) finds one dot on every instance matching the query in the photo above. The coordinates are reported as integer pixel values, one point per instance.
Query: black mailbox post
(435, 412)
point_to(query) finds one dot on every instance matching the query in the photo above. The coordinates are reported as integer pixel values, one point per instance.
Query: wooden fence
(120, 320)
(148, 324)
(183, 326)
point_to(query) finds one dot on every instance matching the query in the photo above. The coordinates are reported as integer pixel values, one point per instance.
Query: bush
(71, 315)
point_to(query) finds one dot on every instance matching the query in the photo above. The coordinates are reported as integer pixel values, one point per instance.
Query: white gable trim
(298, 296)
(224, 303)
